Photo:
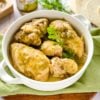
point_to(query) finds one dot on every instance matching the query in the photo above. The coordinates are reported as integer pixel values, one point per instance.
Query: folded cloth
(89, 82)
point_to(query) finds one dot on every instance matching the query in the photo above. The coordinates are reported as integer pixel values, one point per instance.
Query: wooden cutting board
(6, 9)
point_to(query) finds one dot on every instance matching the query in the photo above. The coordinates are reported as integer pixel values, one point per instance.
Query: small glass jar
(27, 5)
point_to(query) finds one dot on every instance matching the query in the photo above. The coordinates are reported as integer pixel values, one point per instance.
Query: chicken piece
(29, 61)
(28, 28)
(63, 66)
(72, 42)
(56, 69)
(29, 39)
(61, 25)
(31, 32)
(38, 26)
(51, 48)
(41, 24)
(75, 45)
(70, 66)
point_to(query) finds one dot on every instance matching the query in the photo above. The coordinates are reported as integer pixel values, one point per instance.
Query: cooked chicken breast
(63, 66)
(72, 42)
(29, 39)
(41, 24)
(38, 26)
(30, 33)
(51, 48)
(29, 61)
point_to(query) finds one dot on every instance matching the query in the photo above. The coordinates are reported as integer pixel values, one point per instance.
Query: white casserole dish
(44, 86)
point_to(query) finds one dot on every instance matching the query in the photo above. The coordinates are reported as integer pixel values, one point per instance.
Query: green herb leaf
(68, 54)
(54, 4)
(54, 35)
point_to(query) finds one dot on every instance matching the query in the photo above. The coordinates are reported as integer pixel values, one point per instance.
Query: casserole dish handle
(83, 20)
(4, 76)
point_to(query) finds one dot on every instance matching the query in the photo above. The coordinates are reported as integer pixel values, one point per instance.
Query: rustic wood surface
(4, 24)
(83, 96)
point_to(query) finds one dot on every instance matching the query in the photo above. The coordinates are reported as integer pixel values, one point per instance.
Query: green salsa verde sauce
(30, 6)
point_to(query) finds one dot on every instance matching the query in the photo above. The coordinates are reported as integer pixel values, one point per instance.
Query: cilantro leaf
(54, 35)
(68, 54)
(54, 4)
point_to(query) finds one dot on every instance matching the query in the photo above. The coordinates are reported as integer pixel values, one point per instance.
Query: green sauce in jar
(30, 6)
(27, 5)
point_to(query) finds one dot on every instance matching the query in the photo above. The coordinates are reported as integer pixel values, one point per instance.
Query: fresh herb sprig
(54, 35)
(68, 54)
(54, 4)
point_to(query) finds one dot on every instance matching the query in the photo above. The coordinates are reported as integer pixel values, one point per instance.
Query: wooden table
(4, 24)
(83, 96)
